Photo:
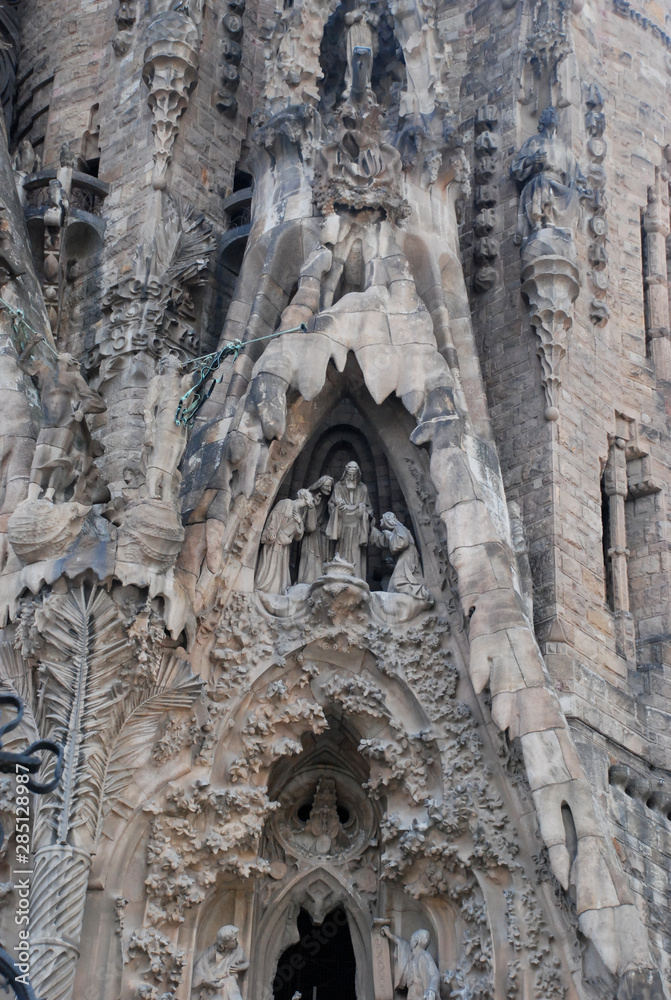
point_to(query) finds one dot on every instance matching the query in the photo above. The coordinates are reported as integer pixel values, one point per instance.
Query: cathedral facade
(335, 514)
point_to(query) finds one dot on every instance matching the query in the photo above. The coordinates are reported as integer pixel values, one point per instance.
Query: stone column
(616, 488)
(656, 225)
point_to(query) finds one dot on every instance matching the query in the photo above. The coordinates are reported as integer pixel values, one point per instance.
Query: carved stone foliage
(152, 309)
(170, 72)
(358, 169)
(93, 701)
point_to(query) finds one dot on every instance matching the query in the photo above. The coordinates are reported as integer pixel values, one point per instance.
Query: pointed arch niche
(376, 437)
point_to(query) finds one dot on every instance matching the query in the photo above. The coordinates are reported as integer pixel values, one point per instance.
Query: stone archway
(318, 893)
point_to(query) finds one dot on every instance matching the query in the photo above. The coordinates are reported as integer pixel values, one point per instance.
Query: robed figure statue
(215, 976)
(350, 519)
(551, 178)
(285, 525)
(407, 577)
(414, 968)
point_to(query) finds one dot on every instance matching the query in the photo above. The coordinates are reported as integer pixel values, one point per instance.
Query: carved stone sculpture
(164, 440)
(65, 450)
(552, 185)
(25, 159)
(350, 515)
(170, 72)
(361, 24)
(415, 969)
(215, 976)
(285, 525)
(407, 576)
(314, 547)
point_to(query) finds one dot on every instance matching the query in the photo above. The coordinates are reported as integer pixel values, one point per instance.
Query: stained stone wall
(456, 721)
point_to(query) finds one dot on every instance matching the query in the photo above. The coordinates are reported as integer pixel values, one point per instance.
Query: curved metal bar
(30, 762)
(22, 989)
(7, 698)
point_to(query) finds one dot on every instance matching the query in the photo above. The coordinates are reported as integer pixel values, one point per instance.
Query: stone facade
(334, 505)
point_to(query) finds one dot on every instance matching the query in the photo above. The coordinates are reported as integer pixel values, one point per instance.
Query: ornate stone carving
(125, 18)
(315, 545)
(407, 576)
(83, 654)
(152, 309)
(231, 51)
(487, 165)
(293, 68)
(358, 169)
(552, 185)
(170, 72)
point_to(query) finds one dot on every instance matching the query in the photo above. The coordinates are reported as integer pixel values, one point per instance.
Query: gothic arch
(271, 936)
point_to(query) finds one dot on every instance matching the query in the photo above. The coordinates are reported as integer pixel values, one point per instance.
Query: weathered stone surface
(351, 617)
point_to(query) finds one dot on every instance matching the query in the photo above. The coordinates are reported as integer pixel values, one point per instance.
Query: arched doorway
(321, 965)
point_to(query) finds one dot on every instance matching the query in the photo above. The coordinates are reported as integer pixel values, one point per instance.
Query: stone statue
(215, 976)
(552, 180)
(414, 968)
(407, 576)
(65, 450)
(362, 25)
(314, 547)
(25, 159)
(164, 440)
(350, 516)
(285, 525)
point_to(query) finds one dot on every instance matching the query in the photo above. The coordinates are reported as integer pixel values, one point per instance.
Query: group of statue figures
(216, 972)
(335, 520)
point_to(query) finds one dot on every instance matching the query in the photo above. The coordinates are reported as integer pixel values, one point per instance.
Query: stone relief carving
(487, 165)
(153, 307)
(86, 663)
(551, 187)
(125, 18)
(170, 72)
(595, 122)
(231, 51)
(217, 971)
(64, 481)
(165, 439)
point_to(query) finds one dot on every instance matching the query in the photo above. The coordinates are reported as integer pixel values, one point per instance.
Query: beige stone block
(453, 479)
(543, 759)
(468, 523)
(560, 862)
(528, 655)
(594, 885)
(525, 711)
(494, 611)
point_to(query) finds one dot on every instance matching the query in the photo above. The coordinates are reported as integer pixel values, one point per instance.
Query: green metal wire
(20, 326)
(191, 401)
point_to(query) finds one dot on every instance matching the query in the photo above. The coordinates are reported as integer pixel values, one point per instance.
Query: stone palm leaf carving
(96, 700)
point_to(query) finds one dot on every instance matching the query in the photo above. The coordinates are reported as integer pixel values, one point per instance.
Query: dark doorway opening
(321, 966)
